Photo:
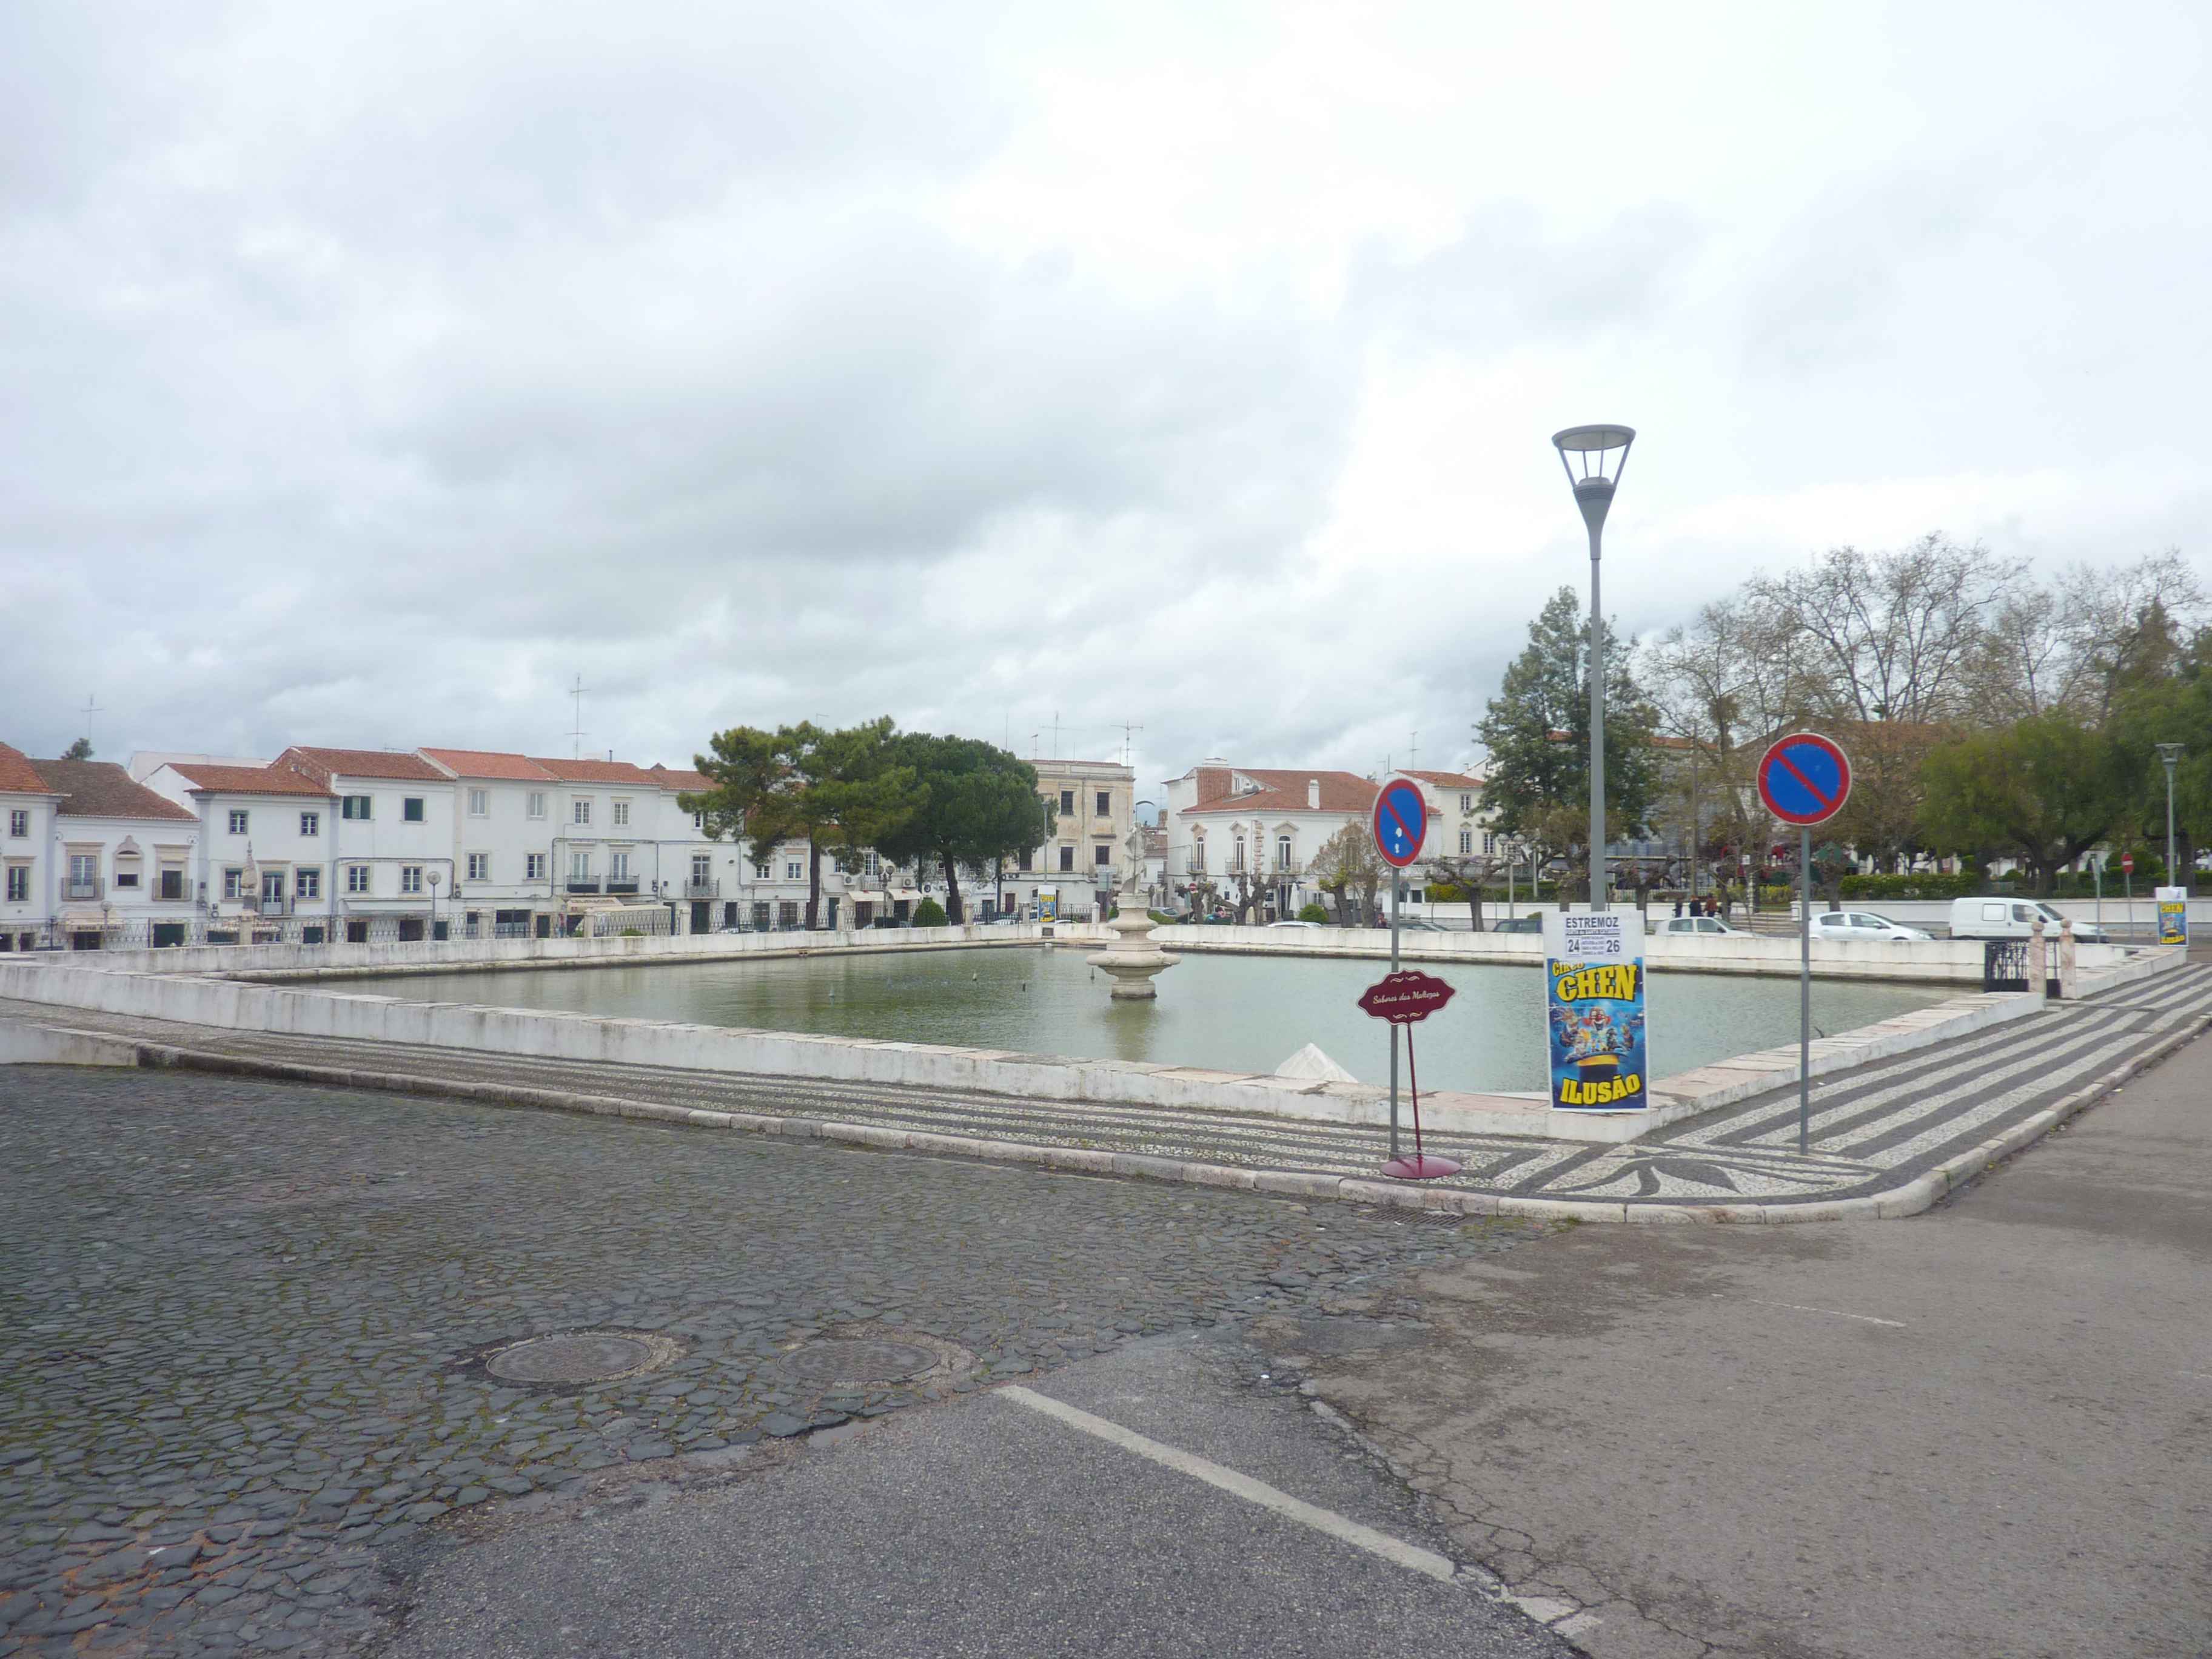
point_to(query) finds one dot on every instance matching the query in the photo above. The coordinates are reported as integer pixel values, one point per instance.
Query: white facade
(1094, 808)
(26, 820)
(265, 843)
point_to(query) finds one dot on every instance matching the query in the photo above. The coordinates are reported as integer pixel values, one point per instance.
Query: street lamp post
(2171, 754)
(1594, 457)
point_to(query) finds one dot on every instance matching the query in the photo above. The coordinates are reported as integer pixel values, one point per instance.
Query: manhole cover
(581, 1356)
(852, 1363)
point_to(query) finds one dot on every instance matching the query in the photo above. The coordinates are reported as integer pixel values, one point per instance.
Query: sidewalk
(1888, 1138)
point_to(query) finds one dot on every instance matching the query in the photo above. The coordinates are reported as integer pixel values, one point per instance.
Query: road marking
(1832, 1313)
(1393, 1550)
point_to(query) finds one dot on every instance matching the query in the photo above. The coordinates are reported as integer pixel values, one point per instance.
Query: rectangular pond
(1231, 1014)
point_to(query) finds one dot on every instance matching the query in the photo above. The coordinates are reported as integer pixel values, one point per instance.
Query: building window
(760, 870)
(580, 866)
(1105, 804)
(233, 883)
(238, 820)
(18, 883)
(479, 866)
(1028, 857)
(622, 814)
(1283, 852)
(580, 812)
(410, 877)
(1466, 842)
(307, 883)
(871, 863)
(479, 803)
(699, 822)
(1103, 853)
(19, 822)
(356, 878)
(1067, 802)
(533, 866)
(1067, 858)
(354, 807)
(126, 877)
(1489, 845)
(311, 824)
(172, 886)
(1467, 803)
(411, 808)
(618, 866)
(537, 803)
(794, 871)
(702, 869)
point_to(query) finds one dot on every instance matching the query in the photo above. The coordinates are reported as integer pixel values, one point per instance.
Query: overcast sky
(373, 371)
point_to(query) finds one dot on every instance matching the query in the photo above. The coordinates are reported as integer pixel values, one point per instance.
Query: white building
(264, 851)
(122, 858)
(1232, 825)
(387, 847)
(27, 827)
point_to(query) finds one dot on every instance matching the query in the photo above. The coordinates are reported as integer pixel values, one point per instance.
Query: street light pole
(2171, 754)
(1594, 457)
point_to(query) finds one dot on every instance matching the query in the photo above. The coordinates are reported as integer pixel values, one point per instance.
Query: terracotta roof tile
(490, 763)
(19, 775)
(1280, 791)
(101, 789)
(323, 765)
(687, 782)
(247, 780)
(597, 771)
(1447, 780)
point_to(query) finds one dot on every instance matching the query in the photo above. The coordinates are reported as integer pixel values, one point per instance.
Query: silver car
(1863, 925)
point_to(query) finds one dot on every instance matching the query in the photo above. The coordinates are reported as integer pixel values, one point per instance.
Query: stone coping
(233, 1004)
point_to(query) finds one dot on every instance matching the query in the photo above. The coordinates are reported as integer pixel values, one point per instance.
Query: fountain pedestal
(1132, 959)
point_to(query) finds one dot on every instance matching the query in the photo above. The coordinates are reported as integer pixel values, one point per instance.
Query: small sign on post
(1804, 779)
(1400, 823)
(1407, 999)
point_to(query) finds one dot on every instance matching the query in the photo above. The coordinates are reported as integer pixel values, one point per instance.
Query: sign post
(2128, 880)
(1804, 779)
(1399, 820)
(1407, 999)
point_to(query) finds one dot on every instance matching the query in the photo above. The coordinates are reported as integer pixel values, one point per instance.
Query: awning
(858, 897)
(911, 895)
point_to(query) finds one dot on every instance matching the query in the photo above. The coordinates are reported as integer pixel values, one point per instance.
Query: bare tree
(1347, 863)
(1469, 874)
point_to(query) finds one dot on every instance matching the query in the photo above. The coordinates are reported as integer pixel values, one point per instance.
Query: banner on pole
(2172, 916)
(1594, 1011)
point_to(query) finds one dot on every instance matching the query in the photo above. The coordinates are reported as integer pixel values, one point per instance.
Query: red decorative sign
(2127, 864)
(1404, 998)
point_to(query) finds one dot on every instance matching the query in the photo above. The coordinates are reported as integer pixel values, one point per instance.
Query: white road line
(1833, 1313)
(1396, 1551)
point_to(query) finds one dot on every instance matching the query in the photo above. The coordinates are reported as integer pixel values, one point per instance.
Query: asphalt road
(247, 1401)
(983, 1528)
(1986, 1430)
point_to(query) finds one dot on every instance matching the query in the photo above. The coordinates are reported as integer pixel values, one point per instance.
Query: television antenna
(577, 734)
(1128, 730)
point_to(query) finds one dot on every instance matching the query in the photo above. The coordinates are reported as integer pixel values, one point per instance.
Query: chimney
(1313, 794)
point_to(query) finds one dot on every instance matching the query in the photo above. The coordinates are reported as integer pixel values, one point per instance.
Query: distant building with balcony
(1233, 828)
(1074, 873)
(122, 858)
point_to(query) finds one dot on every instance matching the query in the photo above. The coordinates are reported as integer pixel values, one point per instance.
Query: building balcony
(80, 888)
(272, 907)
(702, 889)
(583, 887)
(622, 884)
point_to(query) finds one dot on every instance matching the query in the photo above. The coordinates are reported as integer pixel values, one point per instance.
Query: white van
(2004, 918)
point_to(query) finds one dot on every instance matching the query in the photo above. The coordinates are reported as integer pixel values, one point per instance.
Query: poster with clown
(1597, 1057)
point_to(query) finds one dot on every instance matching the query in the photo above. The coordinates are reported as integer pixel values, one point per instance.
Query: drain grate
(874, 1356)
(569, 1357)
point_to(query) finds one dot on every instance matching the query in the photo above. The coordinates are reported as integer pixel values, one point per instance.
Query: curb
(1908, 1199)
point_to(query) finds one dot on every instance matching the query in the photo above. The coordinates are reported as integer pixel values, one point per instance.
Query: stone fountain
(1133, 959)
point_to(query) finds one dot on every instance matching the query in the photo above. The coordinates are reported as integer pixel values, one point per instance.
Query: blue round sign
(1401, 821)
(1804, 779)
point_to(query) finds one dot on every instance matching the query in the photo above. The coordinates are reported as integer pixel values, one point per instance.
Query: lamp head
(1594, 457)
(2170, 753)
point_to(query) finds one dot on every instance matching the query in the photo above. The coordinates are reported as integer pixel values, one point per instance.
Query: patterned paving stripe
(2173, 988)
(1852, 1099)
(1944, 1090)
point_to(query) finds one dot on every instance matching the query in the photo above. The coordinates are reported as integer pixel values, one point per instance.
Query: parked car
(1417, 925)
(2004, 918)
(1519, 925)
(1694, 924)
(1863, 925)
(1293, 924)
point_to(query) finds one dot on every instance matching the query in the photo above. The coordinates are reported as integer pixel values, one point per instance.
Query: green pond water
(1233, 1013)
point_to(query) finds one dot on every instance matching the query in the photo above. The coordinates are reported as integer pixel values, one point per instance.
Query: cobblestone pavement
(1874, 1127)
(245, 1325)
